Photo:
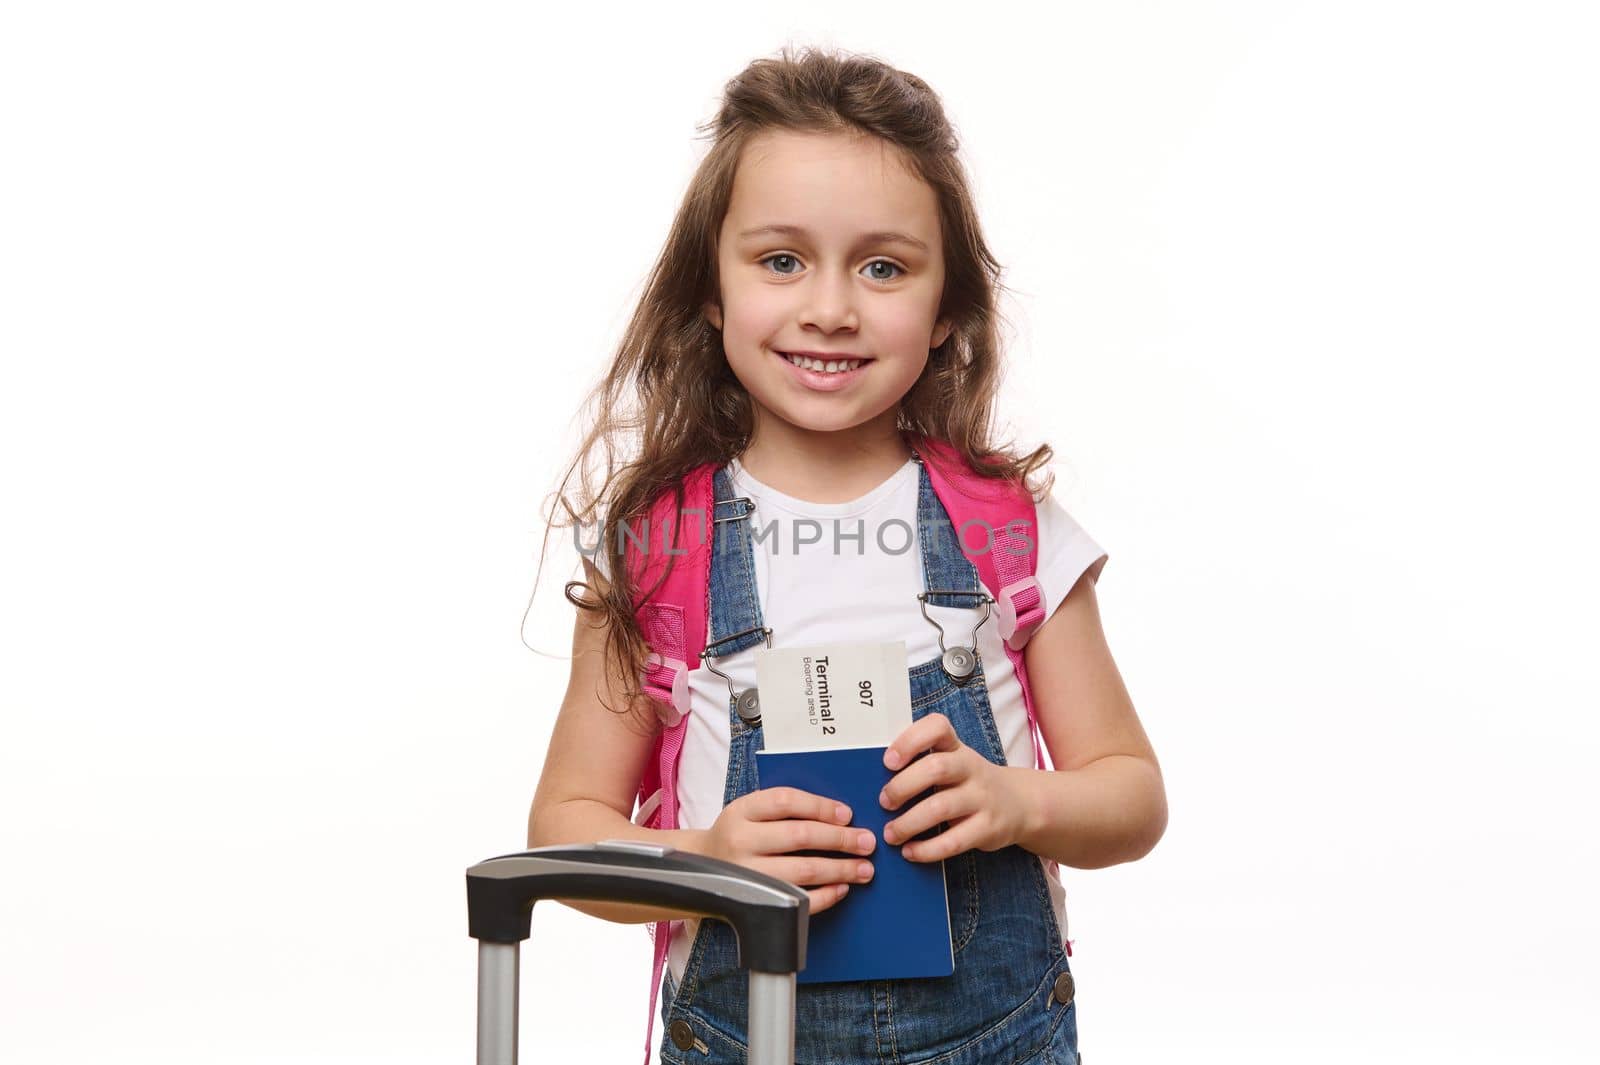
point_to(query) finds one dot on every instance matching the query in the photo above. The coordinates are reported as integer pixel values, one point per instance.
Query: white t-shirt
(864, 590)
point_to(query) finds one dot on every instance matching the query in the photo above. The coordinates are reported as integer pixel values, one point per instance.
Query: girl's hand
(759, 830)
(981, 801)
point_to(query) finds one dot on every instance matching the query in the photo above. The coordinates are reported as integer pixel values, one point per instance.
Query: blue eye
(876, 262)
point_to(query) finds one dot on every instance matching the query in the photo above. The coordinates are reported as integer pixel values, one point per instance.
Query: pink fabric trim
(667, 678)
(1021, 608)
(1015, 556)
(666, 818)
(674, 625)
(1021, 670)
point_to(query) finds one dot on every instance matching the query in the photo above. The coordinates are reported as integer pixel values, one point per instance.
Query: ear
(713, 315)
(941, 332)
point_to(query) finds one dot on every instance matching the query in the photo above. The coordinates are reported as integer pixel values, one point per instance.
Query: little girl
(826, 300)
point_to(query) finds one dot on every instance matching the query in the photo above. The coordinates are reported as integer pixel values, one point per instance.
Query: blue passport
(897, 925)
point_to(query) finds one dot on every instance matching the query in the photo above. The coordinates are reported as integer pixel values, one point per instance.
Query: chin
(830, 422)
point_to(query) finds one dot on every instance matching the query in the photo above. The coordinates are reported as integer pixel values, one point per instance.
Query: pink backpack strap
(1004, 549)
(673, 621)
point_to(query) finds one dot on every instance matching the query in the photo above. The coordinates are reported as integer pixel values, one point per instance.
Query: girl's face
(830, 247)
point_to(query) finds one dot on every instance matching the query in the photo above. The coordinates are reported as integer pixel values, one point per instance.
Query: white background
(298, 300)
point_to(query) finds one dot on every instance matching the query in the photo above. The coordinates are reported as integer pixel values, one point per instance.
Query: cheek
(750, 313)
(908, 330)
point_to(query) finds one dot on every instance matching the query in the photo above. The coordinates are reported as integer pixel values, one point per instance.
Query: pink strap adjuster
(672, 696)
(1017, 626)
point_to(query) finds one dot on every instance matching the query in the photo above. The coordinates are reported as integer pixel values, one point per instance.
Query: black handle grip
(769, 916)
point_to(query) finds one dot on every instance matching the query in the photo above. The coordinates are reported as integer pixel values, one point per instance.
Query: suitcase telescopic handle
(769, 917)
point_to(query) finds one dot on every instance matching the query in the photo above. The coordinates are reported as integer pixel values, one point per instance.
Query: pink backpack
(674, 620)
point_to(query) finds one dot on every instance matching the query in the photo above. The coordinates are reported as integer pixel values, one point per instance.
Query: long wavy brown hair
(669, 401)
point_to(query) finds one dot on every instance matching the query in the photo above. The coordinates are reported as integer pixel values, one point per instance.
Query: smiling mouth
(806, 362)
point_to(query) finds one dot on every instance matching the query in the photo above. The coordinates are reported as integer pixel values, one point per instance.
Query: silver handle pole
(498, 971)
(771, 1018)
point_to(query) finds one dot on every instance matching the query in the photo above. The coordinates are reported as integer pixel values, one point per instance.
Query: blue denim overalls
(1003, 1005)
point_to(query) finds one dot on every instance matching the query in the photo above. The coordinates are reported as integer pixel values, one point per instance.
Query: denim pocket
(961, 888)
(669, 992)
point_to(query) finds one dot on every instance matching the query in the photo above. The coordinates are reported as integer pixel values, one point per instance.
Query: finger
(826, 897)
(944, 767)
(785, 837)
(815, 836)
(778, 804)
(808, 870)
(957, 839)
(932, 732)
(944, 805)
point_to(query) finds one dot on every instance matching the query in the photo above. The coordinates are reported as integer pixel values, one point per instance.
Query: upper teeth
(806, 362)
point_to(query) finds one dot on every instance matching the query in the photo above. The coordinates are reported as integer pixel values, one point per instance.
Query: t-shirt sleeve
(1066, 552)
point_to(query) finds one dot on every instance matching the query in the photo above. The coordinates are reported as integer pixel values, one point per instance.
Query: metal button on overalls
(682, 1034)
(1063, 990)
(749, 706)
(959, 663)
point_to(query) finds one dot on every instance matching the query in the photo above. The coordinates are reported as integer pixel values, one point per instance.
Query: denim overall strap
(1010, 998)
(735, 608)
(943, 564)
(736, 621)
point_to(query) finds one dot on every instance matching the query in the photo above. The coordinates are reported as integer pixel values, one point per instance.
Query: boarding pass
(833, 695)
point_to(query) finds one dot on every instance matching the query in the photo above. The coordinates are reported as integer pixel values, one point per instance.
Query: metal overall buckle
(957, 662)
(747, 702)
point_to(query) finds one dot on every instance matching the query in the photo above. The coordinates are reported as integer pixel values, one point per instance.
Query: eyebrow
(880, 237)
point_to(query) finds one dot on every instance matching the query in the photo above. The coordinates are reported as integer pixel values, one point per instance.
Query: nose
(830, 302)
